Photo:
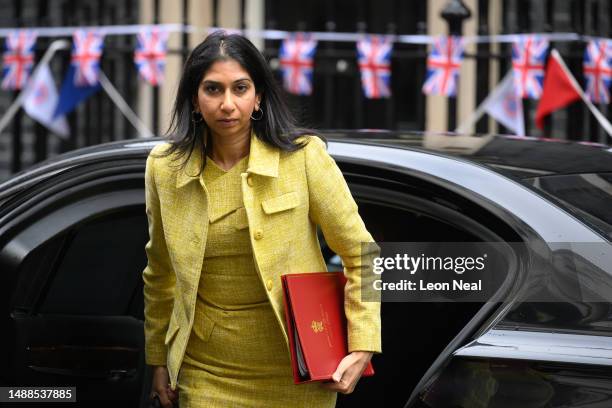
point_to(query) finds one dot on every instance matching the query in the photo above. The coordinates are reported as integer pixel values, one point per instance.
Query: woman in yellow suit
(239, 210)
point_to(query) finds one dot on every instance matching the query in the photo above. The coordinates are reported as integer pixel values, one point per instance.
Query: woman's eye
(211, 89)
(242, 88)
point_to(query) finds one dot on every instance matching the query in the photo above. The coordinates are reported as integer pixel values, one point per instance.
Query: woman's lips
(227, 122)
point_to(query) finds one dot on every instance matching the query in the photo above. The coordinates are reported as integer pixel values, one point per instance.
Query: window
(100, 267)
(586, 196)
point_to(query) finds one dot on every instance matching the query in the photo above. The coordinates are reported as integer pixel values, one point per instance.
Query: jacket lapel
(192, 168)
(263, 159)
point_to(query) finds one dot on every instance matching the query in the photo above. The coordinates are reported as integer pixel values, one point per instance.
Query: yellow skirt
(240, 359)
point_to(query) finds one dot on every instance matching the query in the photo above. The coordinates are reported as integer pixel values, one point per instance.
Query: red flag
(560, 88)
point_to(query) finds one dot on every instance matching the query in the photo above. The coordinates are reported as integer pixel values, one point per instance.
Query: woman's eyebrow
(216, 83)
(211, 82)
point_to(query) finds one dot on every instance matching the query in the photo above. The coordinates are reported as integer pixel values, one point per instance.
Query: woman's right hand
(161, 387)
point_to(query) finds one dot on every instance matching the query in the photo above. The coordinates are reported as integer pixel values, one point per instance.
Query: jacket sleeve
(333, 208)
(158, 276)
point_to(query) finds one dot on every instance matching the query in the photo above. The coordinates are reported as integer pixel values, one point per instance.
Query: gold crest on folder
(317, 326)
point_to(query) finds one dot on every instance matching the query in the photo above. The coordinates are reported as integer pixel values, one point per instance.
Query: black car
(73, 231)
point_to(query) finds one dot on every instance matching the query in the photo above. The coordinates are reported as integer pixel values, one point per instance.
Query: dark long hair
(277, 126)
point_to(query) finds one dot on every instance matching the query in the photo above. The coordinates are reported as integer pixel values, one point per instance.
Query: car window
(100, 267)
(389, 224)
(587, 196)
(33, 271)
(572, 299)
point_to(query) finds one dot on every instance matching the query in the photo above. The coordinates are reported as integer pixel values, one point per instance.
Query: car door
(72, 266)
(433, 354)
(399, 209)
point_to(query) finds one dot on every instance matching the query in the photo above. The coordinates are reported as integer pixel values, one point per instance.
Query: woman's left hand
(348, 372)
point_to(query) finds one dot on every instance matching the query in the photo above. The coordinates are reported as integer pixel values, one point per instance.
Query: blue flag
(71, 95)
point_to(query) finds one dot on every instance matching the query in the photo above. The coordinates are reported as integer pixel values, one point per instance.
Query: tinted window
(388, 224)
(101, 267)
(569, 291)
(34, 271)
(501, 383)
(587, 196)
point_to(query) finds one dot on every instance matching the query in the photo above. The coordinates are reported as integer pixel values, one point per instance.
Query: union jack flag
(18, 59)
(597, 68)
(528, 58)
(86, 52)
(443, 64)
(296, 55)
(150, 54)
(375, 65)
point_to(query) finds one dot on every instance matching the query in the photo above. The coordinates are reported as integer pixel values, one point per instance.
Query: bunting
(528, 58)
(296, 56)
(18, 59)
(375, 65)
(86, 52)
(443, 66)
(150, 54)
(597, 68)
(296, 61)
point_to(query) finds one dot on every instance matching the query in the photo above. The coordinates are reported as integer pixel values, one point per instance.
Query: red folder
(316, 324)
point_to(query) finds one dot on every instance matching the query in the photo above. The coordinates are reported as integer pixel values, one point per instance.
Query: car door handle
(108, 374)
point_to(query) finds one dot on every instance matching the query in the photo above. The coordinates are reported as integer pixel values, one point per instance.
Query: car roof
(515, 157)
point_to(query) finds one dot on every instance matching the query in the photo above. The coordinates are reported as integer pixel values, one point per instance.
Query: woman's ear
(257, 101)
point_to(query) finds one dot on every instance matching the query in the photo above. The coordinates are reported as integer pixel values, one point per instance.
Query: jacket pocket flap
(203, 325)
(281, 203)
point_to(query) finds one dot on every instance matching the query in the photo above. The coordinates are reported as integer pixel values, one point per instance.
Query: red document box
(316, 324)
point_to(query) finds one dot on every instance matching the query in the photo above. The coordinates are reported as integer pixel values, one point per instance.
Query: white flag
(40, 101)
(505, 106)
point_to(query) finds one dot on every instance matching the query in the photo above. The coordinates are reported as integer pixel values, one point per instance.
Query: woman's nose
(228, 102)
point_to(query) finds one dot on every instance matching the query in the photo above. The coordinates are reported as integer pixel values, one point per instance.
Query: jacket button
(269, 284)
(250, 180)
(258, 234)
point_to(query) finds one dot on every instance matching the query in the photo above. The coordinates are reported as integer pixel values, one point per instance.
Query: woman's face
(226, 99)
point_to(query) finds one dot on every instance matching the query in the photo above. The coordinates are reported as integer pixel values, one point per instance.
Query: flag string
(110, 30)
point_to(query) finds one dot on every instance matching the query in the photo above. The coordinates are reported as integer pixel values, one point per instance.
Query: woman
(238, 211)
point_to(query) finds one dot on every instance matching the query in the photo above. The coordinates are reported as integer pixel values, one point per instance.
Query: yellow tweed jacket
(286, 194)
